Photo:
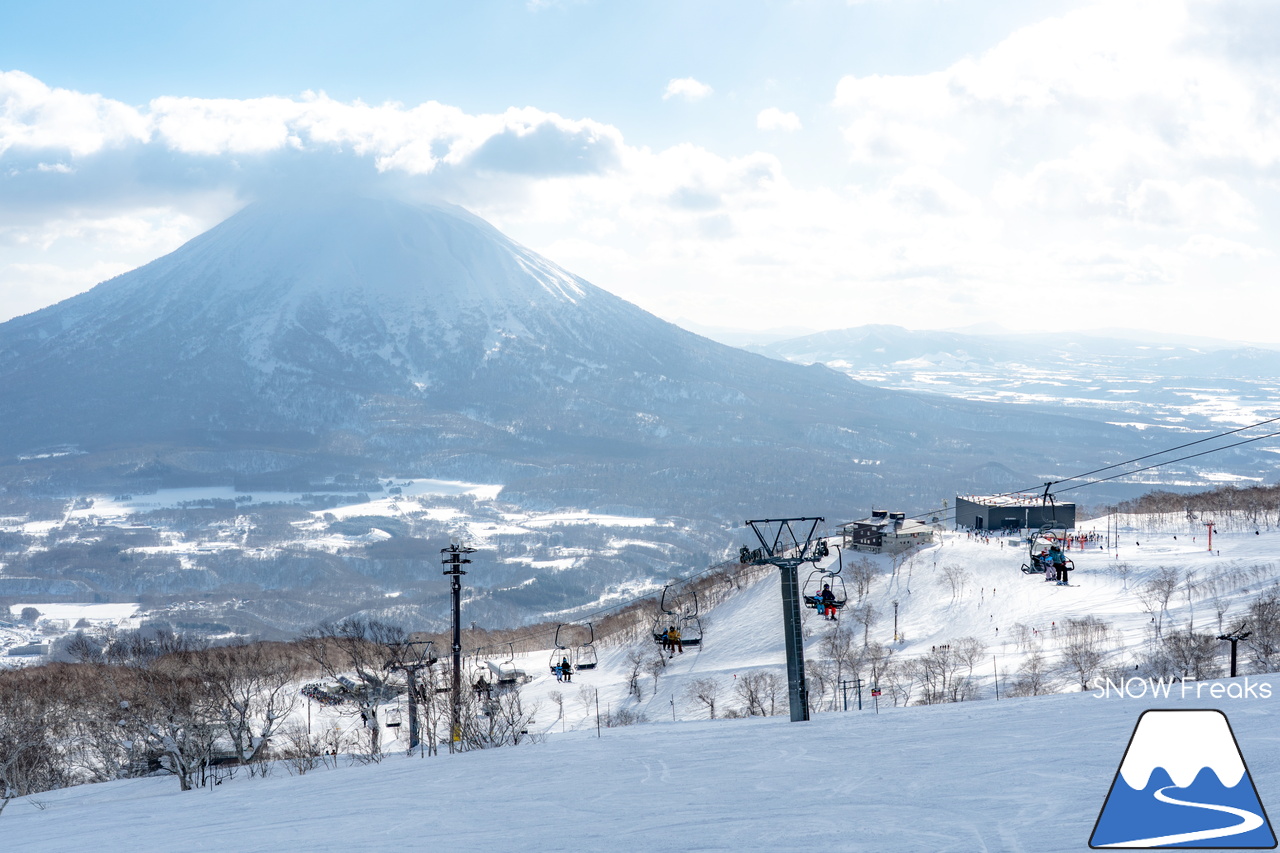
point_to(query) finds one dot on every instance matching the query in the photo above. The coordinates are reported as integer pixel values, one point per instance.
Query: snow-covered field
(1015, 776)
(1025, 774)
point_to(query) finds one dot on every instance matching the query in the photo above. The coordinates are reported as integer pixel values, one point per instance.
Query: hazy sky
(813, 163)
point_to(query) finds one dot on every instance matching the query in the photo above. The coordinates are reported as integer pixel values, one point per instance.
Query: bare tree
(861, 574)
(253, 693)
(1263, 624)
(655, 666)
(1084, 647)
(636, 662)
(1193, 655)
(953, 576)
(750, 687)
(1032, 678)
(866, 616)
(706, 691)
(361, 647)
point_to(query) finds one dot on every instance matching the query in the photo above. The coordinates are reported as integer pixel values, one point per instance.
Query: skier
(674, 641)
(1059, 563)
(828, 599)
(566, 669)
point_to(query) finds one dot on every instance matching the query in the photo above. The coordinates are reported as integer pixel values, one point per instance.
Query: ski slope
(1009, 775)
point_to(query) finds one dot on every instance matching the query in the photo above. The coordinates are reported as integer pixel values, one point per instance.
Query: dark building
(885, 532)
(1012, 512)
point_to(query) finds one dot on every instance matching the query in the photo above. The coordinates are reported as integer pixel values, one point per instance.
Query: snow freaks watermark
(1180, 688)
(1183, 783)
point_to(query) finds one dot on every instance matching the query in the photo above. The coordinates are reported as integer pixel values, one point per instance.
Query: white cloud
(1099, 154)
(687, 88)
(772, 118)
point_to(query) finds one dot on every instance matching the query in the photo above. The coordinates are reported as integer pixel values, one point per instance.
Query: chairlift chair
(584, 657)
(1047, 536)
(560, 653)
(811, 591)
(681, 612)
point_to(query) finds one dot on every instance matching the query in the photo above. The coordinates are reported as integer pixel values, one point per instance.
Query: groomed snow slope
(1022, 775)
(1013, 775)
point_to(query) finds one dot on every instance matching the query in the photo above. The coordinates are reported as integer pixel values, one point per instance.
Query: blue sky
(816, 163)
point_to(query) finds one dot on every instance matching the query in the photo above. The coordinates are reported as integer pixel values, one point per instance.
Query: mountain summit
(330, 332)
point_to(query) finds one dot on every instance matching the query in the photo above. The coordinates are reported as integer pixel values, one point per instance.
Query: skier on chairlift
(566, 669)
(1059, 562)
(828, 599)
(674, 643)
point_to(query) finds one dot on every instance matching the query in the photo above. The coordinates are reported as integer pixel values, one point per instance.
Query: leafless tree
(1084, 647)
(1193, 655)
(636, 662)
(749, 688)
(254, 692)
(655, 665)
(361, 647)
(954, 576)
(1032, 678)
(706, 691)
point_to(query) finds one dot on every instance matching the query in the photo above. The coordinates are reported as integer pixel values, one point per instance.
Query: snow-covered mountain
(350, 333)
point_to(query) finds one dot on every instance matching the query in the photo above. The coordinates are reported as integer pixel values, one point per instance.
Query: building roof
(1009, 500)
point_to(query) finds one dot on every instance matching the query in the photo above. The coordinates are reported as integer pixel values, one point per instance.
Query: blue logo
(1183, 784)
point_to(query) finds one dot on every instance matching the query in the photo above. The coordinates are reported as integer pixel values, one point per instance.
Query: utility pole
(1234, 638)
(895, 621)
(454, 559)
(787, 554)
(1209, 524)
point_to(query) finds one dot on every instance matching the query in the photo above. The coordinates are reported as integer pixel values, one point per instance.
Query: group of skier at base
(1054, 565)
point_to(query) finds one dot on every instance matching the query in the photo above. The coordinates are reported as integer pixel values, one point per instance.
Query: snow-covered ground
(1015, 776)
(1009, 775)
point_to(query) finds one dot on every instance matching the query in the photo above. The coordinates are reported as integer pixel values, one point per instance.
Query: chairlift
(507, 675)
(393, 718)
(584, 656)
(1050, 535)
(811, 591)
(560, 655)
(680, 612)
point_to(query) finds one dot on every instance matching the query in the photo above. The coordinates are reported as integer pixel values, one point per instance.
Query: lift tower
(781, 547)
(454, 557)
(410, 657)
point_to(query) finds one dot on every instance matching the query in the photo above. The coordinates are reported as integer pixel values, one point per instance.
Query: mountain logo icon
(1183, 783)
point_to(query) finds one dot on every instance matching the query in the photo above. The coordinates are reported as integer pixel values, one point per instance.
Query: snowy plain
(1027, 774)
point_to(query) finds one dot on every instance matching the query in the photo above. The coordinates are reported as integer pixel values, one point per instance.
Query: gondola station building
(1011, 512)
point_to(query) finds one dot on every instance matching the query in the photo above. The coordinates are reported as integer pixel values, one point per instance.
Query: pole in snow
(454, 559)
(784, 549)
